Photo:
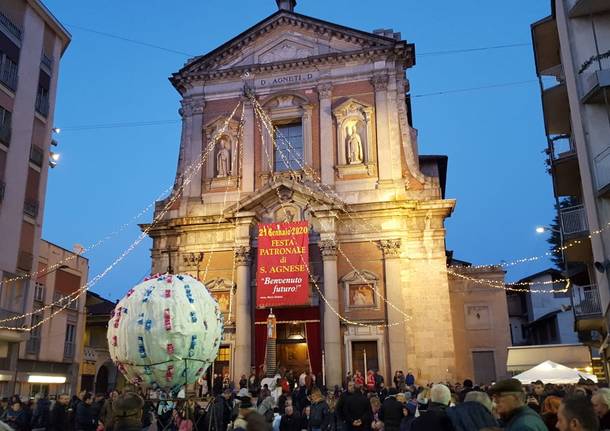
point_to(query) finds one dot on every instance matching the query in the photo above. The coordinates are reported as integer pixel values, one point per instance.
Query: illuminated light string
(512, 289)
(75, 295)
(85, 250)
(273, 131)
(356, 270)
(311, 276)
(224, 200)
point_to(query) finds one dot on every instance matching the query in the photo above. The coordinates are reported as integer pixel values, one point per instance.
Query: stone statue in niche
(223, 159)
(354, 146)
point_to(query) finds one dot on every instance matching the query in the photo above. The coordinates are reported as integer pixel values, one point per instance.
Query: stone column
(384, 153)
(327, 157)
(243, 322)
(393, 291)
(247, 158)
(332, 328)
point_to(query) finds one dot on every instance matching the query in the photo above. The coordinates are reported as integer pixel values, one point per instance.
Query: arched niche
(355, 154)
(222, 165)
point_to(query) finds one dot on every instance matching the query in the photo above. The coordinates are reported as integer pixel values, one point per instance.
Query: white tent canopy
(551, 372)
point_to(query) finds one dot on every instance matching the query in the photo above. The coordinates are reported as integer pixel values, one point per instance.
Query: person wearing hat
(509, 398)
(245, 409)
(127, 409)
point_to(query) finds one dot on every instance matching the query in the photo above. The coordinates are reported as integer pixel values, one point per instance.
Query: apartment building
(572, 54)
(32, 42)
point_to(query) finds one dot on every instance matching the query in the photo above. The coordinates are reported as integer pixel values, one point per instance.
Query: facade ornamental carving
(390, 247)
(192, 259)
(354, 146)
(380, 82)
(285, 50)
(242, 255)
(325, 90)
(328, 248)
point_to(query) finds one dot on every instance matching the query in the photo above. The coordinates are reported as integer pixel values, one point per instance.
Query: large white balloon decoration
(165, 331)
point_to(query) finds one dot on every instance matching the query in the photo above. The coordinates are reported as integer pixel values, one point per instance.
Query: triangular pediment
(285, 36)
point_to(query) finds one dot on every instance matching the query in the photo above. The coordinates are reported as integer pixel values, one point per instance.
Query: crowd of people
(297, 403)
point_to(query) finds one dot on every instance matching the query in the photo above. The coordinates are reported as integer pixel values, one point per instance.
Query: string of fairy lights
(67, 300)
(312, 278)
(275, 132)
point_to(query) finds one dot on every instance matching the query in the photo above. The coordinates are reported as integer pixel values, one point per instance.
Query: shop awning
(525, 357)
(550, 372)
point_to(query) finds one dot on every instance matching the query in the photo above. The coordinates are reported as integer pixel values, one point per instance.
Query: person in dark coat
(468, 385)
(291, 421)
(58, 419)
(85, 421)
(319, 413)
(40, 412)
(340, 405)
(510, 404)
(357, 411)
(435, 417)
(17, 417)
(391, 412)
(470, 415)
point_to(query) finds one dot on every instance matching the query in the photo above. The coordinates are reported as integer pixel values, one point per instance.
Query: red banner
(283, 255)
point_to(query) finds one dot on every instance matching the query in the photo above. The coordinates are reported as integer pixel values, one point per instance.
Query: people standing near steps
(357, 411)
(319, 414)
(391, 412)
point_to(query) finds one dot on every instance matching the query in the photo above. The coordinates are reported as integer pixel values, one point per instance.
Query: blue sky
(494, 137)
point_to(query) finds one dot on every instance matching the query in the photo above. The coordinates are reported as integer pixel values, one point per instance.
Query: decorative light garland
(273, 131)
(311, 277)
(75, 295)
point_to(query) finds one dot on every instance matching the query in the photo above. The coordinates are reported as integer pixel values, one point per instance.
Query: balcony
(586, 301)
(545, 40)
(574, 220)
(564, 165)
(602, 172)
(9, 335)
(8, 72)
(584, 8)
(61, 300)
(36, 155)
(556, 110)
(594, 85)
(46, 61)
(42, 102)
(68, 350)
(5, 134)
(2, 189)
(30, 208)
(25, 261)
(8, 25)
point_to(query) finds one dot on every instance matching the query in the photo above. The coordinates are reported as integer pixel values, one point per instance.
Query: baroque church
(299, 119)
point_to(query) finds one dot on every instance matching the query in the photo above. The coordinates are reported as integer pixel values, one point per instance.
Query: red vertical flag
(282, 276)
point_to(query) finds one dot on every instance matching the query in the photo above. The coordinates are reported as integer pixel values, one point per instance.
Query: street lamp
(543, 229)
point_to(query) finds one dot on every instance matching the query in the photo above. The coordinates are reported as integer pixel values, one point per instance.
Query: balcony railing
(561, 146)
(68, 350)
(574, 220)
(46, 61)
(36, 155)
(42, 105)
(8, 72)
(7, 24)
(5, 134)
(602, 170)
(2, 189)
(7, 314)
(586, 301)
(30, 208)
(61, 300)
(25, 260)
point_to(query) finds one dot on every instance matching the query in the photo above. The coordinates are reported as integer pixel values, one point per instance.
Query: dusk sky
(479, 107)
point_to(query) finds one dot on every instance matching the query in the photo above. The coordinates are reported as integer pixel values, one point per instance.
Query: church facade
(322, 133)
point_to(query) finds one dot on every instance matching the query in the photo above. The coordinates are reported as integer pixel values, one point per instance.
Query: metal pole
(365, 367)
(323, 369)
